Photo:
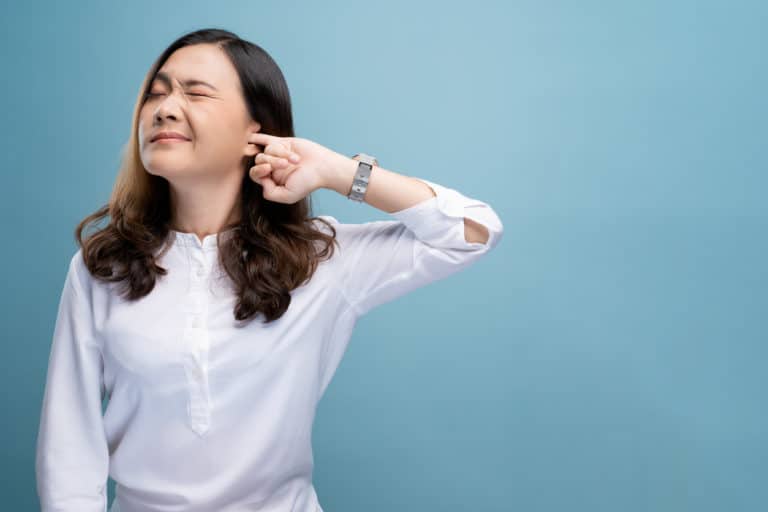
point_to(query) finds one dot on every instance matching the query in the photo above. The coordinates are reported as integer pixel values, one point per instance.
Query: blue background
(609, 355)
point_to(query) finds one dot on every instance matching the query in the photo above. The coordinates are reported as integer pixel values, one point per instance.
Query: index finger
(265, 139)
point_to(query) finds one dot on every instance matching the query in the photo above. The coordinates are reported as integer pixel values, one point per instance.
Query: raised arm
(426, 241)
(385, 259)
(392, 192)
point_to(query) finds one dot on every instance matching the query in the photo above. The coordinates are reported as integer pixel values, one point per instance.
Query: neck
(205, 210)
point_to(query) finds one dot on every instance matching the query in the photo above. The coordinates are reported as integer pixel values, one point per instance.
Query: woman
(212, 309)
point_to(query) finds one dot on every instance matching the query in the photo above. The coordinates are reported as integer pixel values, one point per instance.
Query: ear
(252, 149)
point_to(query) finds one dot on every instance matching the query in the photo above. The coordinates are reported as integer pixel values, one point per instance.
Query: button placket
(197, 341)
(196, 365)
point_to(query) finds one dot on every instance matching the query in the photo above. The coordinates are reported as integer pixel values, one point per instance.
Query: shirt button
(200, 271)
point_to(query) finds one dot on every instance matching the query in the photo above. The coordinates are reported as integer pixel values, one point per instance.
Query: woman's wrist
(340, 174)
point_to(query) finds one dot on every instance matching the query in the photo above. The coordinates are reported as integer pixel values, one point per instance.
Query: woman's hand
(290, 168)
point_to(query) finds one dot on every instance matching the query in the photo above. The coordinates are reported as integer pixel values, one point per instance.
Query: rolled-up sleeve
(383, 260)
(72, 457)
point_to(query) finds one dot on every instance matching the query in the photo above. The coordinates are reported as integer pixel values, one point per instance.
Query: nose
(167, 108)
(162, 113)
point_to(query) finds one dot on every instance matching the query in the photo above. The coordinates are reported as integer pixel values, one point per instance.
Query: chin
(166, 166)
(168, 171)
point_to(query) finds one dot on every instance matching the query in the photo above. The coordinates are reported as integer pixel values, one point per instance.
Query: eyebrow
(163, 77)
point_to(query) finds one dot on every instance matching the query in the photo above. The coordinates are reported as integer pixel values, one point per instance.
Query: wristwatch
(360, 183)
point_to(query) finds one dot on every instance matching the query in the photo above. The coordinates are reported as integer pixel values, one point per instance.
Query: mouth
(169, 136)
(166, 140)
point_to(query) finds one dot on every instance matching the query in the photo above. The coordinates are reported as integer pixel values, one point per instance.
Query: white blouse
(206, 413)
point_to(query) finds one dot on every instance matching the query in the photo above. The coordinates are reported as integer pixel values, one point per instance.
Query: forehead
(202, 62)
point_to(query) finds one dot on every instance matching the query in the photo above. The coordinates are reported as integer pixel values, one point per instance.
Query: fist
(289, 168)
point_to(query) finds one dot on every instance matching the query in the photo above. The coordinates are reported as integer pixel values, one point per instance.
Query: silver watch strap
(362, 176)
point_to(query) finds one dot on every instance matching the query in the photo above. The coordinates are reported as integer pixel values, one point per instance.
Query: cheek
(219, 134)
(144, 125)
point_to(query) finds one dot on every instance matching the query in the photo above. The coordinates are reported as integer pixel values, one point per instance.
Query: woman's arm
(385, 259)
(392, 192)
(424, 242)
(72, 458)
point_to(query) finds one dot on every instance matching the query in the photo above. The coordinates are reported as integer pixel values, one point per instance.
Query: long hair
(272, 249)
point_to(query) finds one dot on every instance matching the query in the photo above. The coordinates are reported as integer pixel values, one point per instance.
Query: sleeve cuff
(439, 221)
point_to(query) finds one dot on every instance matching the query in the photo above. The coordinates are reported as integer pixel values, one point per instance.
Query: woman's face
(197, 94)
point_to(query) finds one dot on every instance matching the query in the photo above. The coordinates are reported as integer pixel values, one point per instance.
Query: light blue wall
(608, 356)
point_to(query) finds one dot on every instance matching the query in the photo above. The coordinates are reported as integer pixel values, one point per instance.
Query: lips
(168, 135)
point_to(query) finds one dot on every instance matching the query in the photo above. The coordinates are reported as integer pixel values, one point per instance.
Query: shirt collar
(208, 243)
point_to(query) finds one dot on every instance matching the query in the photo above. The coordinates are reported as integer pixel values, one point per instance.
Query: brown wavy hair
(272, 249)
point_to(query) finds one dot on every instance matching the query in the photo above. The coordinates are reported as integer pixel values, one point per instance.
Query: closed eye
(160, 94)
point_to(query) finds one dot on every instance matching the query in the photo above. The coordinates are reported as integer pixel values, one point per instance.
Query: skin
(205, 172)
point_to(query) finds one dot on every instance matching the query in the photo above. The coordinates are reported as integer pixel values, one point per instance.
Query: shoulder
(78, 272)
(77, 262)
(321, 222)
